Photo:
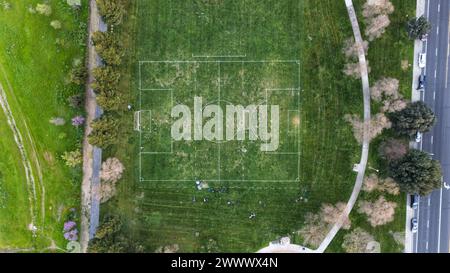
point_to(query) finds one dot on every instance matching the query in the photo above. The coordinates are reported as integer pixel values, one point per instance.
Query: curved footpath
(361, 167)
(92, 156)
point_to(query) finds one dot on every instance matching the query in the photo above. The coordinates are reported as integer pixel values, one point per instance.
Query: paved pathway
(92, 156)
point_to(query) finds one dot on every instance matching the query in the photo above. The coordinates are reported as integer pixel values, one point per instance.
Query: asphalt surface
(433, 213)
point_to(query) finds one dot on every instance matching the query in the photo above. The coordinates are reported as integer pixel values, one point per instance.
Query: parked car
(422, 60)
(414, 201)
(414, 225)
(418, 137)
(422, 82)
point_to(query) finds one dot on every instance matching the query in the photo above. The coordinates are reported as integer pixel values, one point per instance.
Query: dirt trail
(31, 184)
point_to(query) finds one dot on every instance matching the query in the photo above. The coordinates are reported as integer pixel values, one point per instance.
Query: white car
(422, 60)
(418, 137)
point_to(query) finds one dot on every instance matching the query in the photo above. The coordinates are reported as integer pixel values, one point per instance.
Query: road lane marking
(439, 226)
(446, 186)
(432, 139)
(429, 200)
(418, 217)
(436, 51)
(434, 95)
(437, 30)
(428, 223)
(448, 53)
(439, 8)
(435, 73)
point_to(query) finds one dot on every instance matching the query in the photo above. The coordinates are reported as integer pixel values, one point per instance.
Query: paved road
(434, 210)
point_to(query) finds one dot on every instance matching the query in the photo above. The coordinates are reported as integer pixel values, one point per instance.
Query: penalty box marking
(266, 90)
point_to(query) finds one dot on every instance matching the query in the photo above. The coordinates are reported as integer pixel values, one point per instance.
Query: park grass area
(35, 60)
(385, 57)
(156, 195)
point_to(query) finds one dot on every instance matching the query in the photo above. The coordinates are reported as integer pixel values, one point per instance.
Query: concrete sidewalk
(415, 96)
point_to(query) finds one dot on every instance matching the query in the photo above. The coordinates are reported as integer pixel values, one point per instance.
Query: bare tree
(393, 105)
(112, 170)
(350, 48)
(316, 226)
(331, 214)
(393, 149)
(376, 7)
(376, 26)
(371, 183)
(357, 241)
(379, 212)
(354, 70)
(375, 183)
(384, 88)
(389, 185)
(377, 124)
(314, 230)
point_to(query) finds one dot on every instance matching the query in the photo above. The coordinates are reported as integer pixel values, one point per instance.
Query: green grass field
(35, 60)
(159, 210)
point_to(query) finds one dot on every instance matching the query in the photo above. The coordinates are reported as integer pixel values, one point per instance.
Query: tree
(375, 183)
(357, 241)
(376, 26)
(112, 11)
(379, 212)
(393, 149)
(110, 238)
(78, 74)
(331, 214)
(377, 124)
(416, 173)
(73, 158)
(44, 9)
(112, 170)
(350, 49)
(354, 70)
(376, 17)
(314, 230)
(105, 131)
(108, 47)
(106, 79)
(384, 87)
(418, 28)
(416, 117)
(376, 7)
(111, 100)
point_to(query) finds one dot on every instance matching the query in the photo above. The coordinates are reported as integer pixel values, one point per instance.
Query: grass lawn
(385, 56)
(160, 213)
(36, 59)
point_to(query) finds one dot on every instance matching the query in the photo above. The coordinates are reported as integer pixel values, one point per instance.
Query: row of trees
(105, 130)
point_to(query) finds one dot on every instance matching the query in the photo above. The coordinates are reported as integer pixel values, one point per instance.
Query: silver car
(414, 225)
(422, 60)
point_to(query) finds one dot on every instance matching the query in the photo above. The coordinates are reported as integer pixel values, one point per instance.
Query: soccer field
(235, 143)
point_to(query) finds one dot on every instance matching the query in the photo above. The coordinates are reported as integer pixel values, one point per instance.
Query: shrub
(44, 9)
(73, 158)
